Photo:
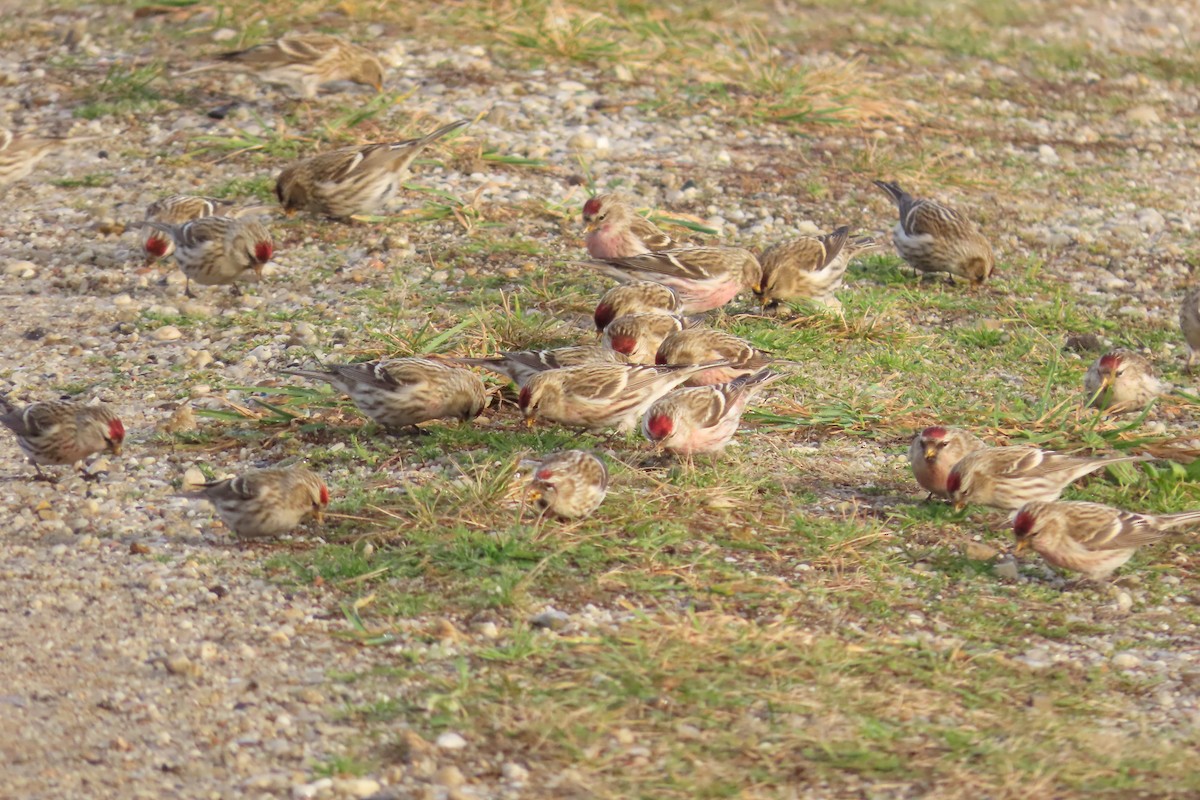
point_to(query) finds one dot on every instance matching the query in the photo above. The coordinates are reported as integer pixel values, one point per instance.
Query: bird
(704, 278)
(57, 432)
(176, 210)
(1009, 477)
(217, 251)
(637, 336)
(520, 366)
(1189, 323)
(1121, 380)
(637, 297)
(21, 152)
(304, 62)
(702, 419)
(808, 268)
(934, 452)
(1090, 538)
(352, 180)
(934, 238)
(598, 397)
(706, 346)
(569, 484)
(268, 502)
(616, 230)
(404, 392)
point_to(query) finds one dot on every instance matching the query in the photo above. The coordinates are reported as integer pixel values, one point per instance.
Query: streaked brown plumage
(808, 268)
(1121, 380)
(616, 230)
(1091, 538)
(638, 297)
(569, 484)
(934, 238)
(637, 336)
(704, 278)
(1009, 477)
(176, 210)
(1189, 323)
(520, 366)
(217, 251)
(934, 452)
(267, 502)
(304, 62)
(706, 346)
(20, 153)
(404, 392)
(702, 419)
(352, 180)
(62, 431)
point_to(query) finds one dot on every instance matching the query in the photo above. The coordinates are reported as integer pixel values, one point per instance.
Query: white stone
(1125, 661)
(451, 741)
(167, 333)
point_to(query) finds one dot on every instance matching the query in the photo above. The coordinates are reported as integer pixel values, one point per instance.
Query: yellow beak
(530, 421)
(588, 227)
(959, 505)
(535, 495)
(319, 516)
(1022, 544)
(931, 453)
(115, 447)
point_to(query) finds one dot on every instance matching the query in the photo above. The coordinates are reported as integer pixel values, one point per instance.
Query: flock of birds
(656, 369)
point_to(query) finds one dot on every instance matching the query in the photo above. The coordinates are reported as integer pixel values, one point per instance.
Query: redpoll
(703, 277)
(19, 154)
(1009, 477)
(1121, 380)
(304, 62)
(62, 431)
(520, 366)
(702, 419)
(706, 346)
(934, 452)
(176, 210)
(808, 268)
(934, 238)
(352, 180)
(570, 484)
(616, 230)
(639, 297)
(637, 336)
(404, 392)
(267, 502)
(599, 397)
(1090, 538)
(1189, 323)
(216, 251)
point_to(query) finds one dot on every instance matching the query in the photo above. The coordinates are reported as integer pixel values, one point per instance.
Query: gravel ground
(146, 656)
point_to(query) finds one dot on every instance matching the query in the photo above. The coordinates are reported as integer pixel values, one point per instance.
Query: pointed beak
(379, 87)
(588, 227)
(534, 495)
(530, 421)
(115, 447)
(319, 515)
(1022, 544)
(930, 453)
(959, 505)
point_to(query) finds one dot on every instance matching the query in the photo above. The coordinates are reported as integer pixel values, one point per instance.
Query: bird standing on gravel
(708, 346)
(599, 397)
(934, 452)
(1010, 477)
(616, 230)
(704, 278)
(1091, 538)
(20, 153)
(352, 180)
(176, 210)
(217, 251)
(638, 297)
(1121, 380)
(808, 268)
(267, 502)
(303, 62)
(637, 336)
(63, 431)
(1189, 323)
(934, 238)
(702, 419)
(522, 365)
(569, 484)
(404, 392)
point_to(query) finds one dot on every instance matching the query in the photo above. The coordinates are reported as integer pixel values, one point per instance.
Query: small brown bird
(598, 397)
(638, 297)
(808, 268)
(267, 502)
(63, 431)
(616, 230)
(1010, 477)
(522, 365)
(934, 452)
(1091, 538)
(304, 62)
(404, 392)
(217, 251)
(934, 238)
(352, 180)
(704, 278)
(20, 153)
(569, 484)
(707, 346)
(1189, 323)
(637, 336)
(1121, 380)
(176, 210)
(702, 419)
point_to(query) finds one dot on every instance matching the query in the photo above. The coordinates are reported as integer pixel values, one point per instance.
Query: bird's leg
(235, 290)
(41, 476)
(187, 289)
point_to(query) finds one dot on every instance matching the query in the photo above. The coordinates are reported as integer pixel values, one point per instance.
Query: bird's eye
(600, 217)
(1120, 372)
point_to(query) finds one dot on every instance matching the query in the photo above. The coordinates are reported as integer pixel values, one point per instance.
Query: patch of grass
(123, 90)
